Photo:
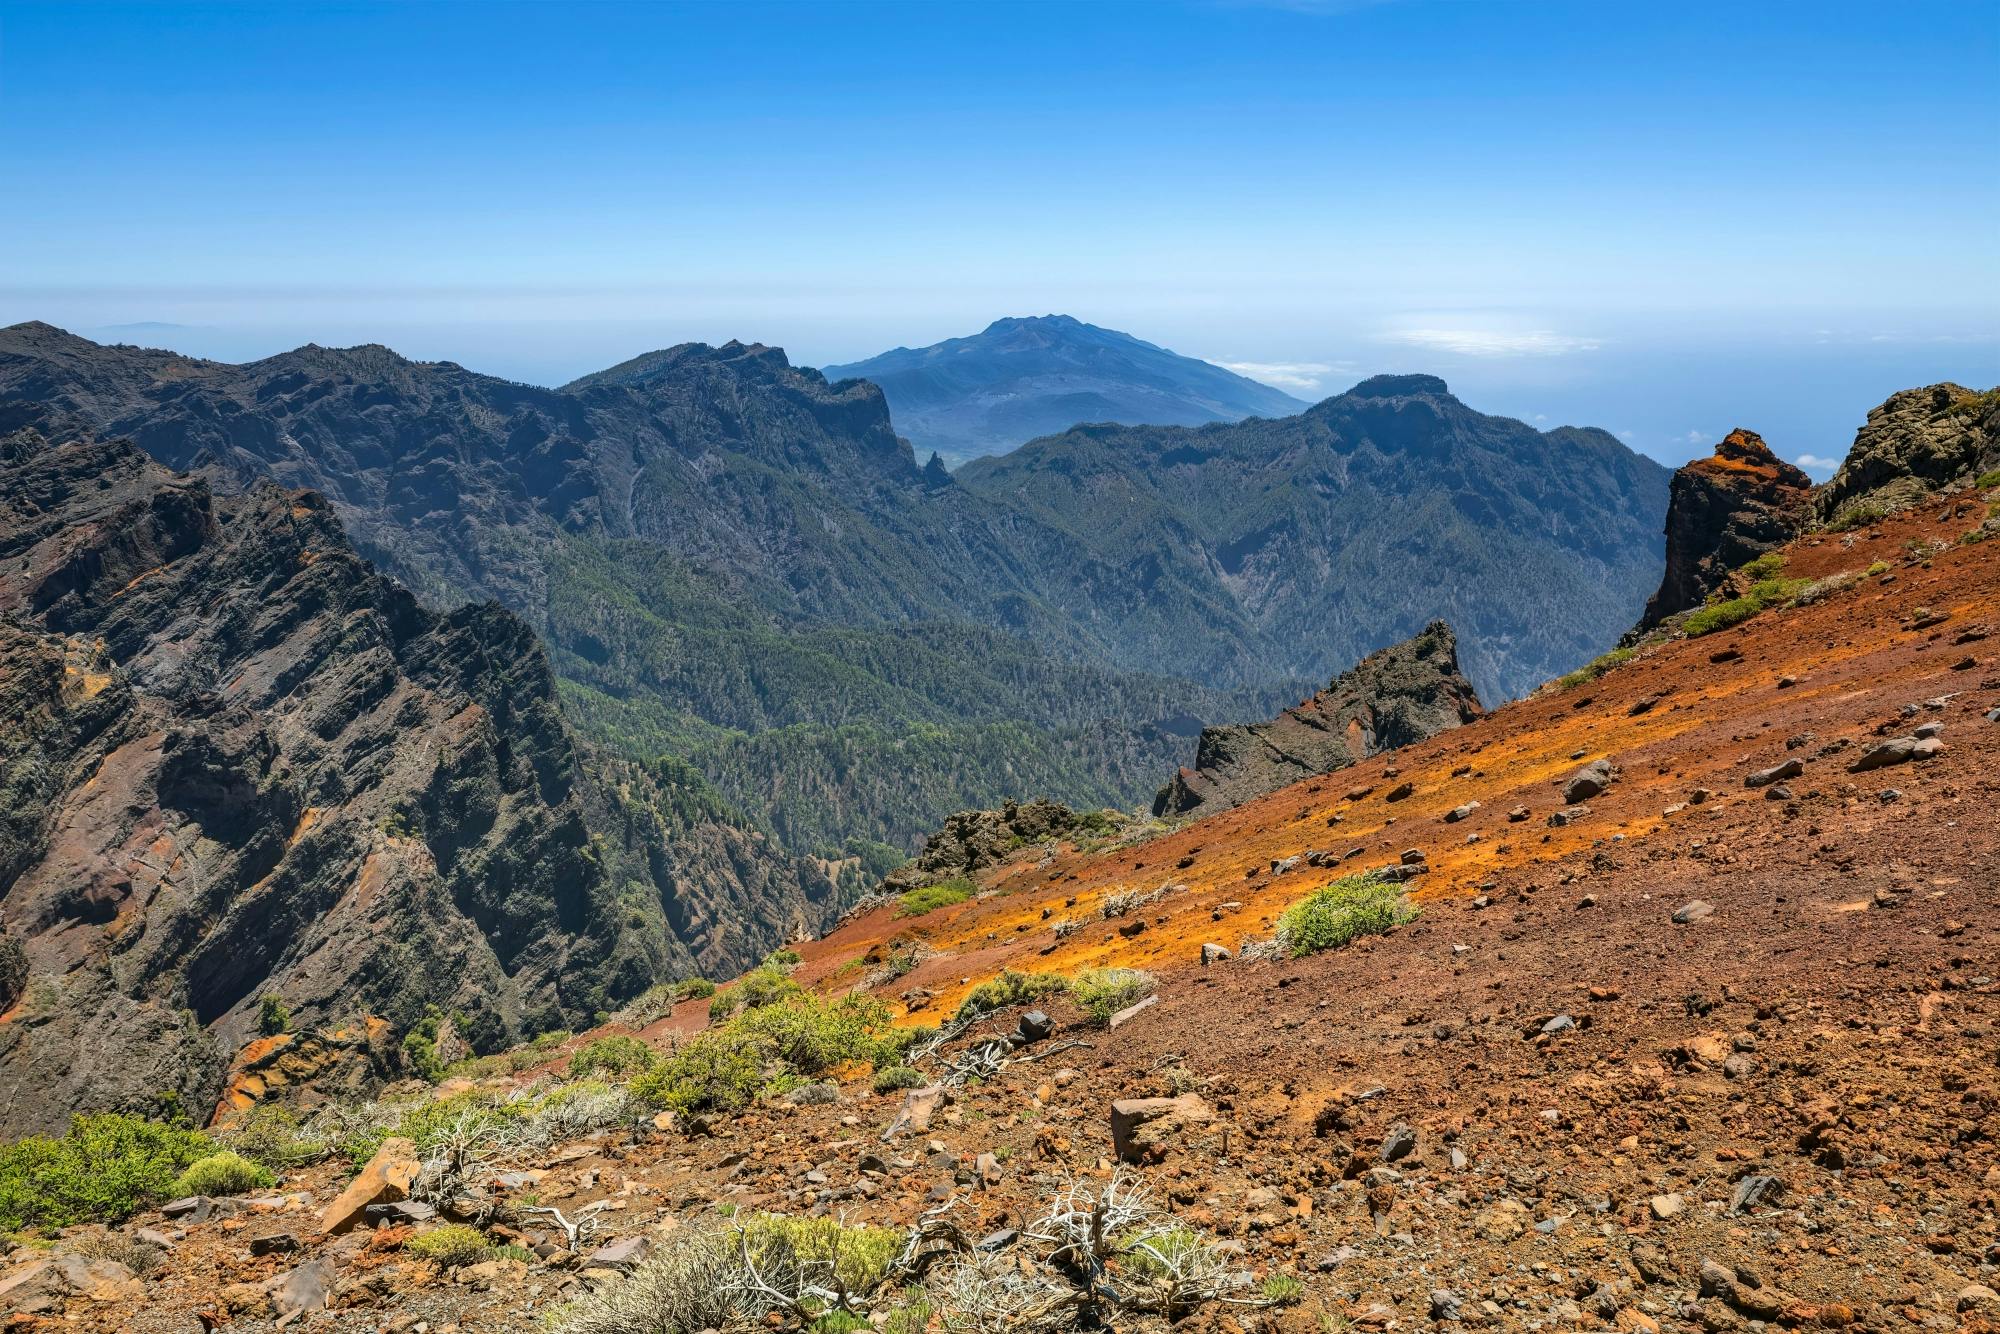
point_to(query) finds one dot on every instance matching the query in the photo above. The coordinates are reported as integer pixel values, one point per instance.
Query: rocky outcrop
(971, 841)
(1917, 442)
(235, 760)
(1723, 512)
(1391, 698)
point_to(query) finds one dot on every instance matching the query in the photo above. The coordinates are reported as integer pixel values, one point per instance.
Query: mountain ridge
(1026, 376)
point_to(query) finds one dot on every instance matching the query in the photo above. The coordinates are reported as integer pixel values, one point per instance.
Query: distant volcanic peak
(1400, 386)
(1743, 450)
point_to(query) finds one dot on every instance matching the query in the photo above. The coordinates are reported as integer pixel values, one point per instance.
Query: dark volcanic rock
(1917, 441)
(1723, 512)
(235, 760)
(971, 841)
(1391, 698)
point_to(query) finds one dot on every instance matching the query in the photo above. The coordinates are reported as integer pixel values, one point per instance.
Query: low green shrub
(273, 1017)
(271, 1135)
(717, 1071)
(616, 1055)
(1337, 914)
(1988, 480)
(810, 1036)
(694, 988)
(859, 1255)
(894, 1078)
(222, 1173)
(1857, 515)
(1103, 992)
(784, 957)
(1282, 1290)
(101, 1169)
(1764, 594)
(1010, 988)
(929, 898)
(1595, 668)
(450, 1246)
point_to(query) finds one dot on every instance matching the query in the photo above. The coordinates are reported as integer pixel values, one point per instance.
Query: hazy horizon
(1663, 222)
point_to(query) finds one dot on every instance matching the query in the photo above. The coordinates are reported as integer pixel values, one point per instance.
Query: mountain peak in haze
(1034, 375)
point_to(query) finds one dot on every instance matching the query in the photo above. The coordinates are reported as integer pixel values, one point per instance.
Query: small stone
(1133, 1011)
(1035, 1026)
(1889, 794)
(1445, 1304)
(1777, 773)
(1412, 857)
(1212, 953)
(1664, 1207)
(1695, 911)
(274, 1243)
(1517, 815)
(1778, 792)
(1562, 1023)
(1752, 1191)
(1457, 813)
(625, 1254)
(1399, 1143)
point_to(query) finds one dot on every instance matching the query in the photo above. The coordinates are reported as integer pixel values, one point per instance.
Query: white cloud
(1284, 374)
(1628, 434)
(1493, 342)
(1698, 437)
(1815, 461)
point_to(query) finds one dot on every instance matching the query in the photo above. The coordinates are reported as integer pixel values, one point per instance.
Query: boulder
(1145, 1129)
(386, 1179)
(1589, 781)
(919, 1106)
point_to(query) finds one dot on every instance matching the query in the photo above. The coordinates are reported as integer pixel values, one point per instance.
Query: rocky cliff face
(1399, 695)
(1723, 511)
(235, 760)
(1915, 443)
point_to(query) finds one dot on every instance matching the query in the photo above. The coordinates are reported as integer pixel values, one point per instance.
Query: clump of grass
(771, 1046)
(1764, 594)
(1103, 992)
(1342, 912)
(1857, 514)
(895, 1078)
(101, 1170)
(784, 957)
(616, 1055)
(929, 898)
(1987, 481)
(1282, 1290)
(222, 1173)
(1595, 668)
(451, 1246)
(1010, 988)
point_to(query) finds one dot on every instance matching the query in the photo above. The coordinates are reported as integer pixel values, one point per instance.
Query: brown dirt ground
(1832, 1024)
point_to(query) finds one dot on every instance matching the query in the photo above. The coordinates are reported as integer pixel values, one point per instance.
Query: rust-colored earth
(1830, 1025)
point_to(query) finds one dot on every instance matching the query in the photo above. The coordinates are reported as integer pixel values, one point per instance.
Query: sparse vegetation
(1103, 992)
(450, 1246)
(1987, 481)
(1595, 668)
(1764, 594)
(894, 1078)
(273, 1017)
(616, 1056)
(1859, 514)
(1342, 912)
(224, 1173)
(929, 898)
(1010, 988)
(783, 958)
(100, 1170)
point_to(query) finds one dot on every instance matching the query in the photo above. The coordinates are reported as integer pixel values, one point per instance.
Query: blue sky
(1663, 219)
